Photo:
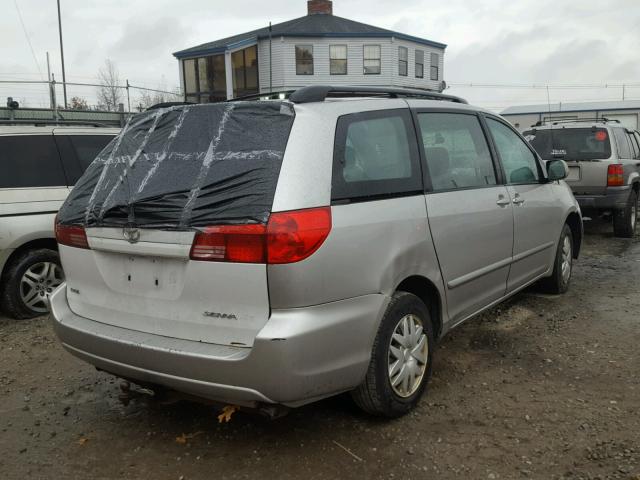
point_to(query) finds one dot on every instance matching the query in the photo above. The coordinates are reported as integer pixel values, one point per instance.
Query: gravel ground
(540, 387)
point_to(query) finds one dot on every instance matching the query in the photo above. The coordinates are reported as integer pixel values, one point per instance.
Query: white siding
(284, 63)
(277, 60)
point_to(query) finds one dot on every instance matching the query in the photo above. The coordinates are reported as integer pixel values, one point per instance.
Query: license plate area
(574, 174)
(137, 275)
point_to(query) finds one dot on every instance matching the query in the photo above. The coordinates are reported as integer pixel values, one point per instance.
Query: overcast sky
(586, 42)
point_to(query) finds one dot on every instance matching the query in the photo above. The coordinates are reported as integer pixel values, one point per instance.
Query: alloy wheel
(566, 259)
(38, 283)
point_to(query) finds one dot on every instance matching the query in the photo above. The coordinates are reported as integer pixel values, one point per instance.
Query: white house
(319, 48)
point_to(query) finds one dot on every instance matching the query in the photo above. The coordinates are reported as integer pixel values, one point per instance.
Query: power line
(26, 34)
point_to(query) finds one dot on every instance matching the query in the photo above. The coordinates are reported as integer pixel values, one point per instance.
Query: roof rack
(55, 123)
(277, 95)
(576, 120)
(167, 104)
(319, 93)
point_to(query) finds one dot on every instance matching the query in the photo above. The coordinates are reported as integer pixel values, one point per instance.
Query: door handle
(503, 202)
(518, 200)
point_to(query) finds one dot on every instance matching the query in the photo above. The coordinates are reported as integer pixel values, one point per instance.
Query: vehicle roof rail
(319, 93)
(551, 121)
(56, 123)
(167, 104)
(276, 95)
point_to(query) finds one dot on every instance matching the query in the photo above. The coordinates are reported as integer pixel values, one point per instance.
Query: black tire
(557, 283)
(10, 296)
(625, 219)
(376, 395)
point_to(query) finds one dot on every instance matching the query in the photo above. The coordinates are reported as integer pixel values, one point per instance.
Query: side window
(88, 147)
(636, 135)
(519, 163)
(634, 145)
(624, 149)
(375, 154)
(30, 161)
(456, 151)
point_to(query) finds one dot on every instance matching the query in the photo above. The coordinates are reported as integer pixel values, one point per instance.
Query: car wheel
(626, 219)
(28, 282)
(401, 359)
(559, 280)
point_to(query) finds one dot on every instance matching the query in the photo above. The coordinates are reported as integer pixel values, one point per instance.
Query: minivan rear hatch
(170, 174)
(584, 150)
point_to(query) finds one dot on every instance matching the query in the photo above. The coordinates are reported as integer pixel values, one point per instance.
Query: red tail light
(288, 237)
(72, 236)
(615, 175)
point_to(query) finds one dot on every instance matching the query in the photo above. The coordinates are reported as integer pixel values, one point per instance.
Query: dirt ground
(540, 387)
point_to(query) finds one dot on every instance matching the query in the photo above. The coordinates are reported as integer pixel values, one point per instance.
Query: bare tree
(109, 95)
(149, 98)
(79, 103)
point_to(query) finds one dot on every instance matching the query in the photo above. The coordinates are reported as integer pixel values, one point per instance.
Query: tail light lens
(615, 175)
(231, 243)
(72, 236)
(288, 237)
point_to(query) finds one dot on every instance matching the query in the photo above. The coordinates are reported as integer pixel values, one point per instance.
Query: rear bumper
(301, 355)
(614, 198)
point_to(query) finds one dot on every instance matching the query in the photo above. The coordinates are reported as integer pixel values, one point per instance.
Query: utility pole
(64, 77)
(52, 93)
(270, 67)
(128, 98)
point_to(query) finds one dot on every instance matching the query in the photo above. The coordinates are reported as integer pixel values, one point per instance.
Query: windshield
(186, 166)
(571, 143)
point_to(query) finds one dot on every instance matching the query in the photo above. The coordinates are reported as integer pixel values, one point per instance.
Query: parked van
(38, 167)
(604, 166)
(278, 252)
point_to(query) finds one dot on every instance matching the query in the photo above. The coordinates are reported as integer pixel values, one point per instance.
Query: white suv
(39, 164)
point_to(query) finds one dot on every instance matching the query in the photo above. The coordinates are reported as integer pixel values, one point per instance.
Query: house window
(371, 61)
(244, 65)
(304, 59)
(204, 79)
(435, 68)
(419, 64)
(403, 61)
(338, 59)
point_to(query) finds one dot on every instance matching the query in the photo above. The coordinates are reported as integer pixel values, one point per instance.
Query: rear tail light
(288, 237)
(615, 175)
(72, 236)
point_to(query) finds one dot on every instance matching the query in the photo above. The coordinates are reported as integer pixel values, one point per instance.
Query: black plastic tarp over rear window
(571, 143)
(187, 166)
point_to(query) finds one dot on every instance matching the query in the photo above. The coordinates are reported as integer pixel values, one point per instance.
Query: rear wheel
(559, 280)
(626, 219)
(29, 281)
(400, 365)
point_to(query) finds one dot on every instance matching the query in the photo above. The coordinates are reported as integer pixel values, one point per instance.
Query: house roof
(606, 106)
(319, 25)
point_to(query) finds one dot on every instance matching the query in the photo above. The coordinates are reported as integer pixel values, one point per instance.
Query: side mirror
(557, 170)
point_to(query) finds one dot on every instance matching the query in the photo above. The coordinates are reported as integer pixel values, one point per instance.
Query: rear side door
(32, 188)
(469, 211)
(537, 213)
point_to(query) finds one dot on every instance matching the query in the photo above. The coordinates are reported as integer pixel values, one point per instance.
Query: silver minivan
(274, 253)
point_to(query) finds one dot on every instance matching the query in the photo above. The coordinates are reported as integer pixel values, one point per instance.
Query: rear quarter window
(622, 141)
(375, 155)
(30, 161)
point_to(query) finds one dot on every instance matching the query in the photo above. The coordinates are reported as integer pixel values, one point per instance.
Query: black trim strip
(27, 214)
